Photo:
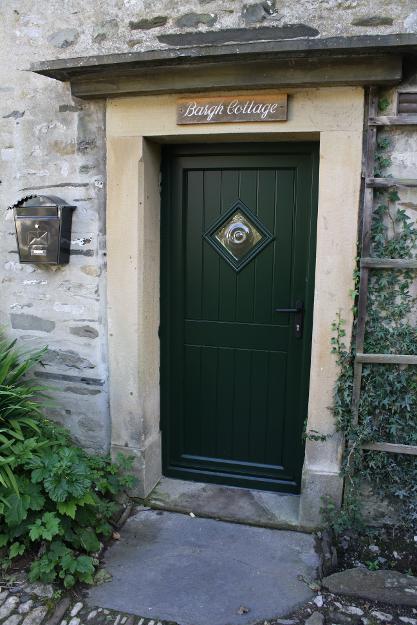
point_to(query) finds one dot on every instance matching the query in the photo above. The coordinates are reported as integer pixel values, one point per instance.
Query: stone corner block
(147, 465)
(315, 488)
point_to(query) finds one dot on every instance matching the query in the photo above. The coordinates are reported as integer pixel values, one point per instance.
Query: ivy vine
(388, 402)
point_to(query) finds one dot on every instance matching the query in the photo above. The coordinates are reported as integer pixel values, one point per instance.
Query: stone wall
(50, 143)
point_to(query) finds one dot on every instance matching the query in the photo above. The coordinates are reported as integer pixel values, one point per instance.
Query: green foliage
(19, 411)
(382, 159)
(63, 562)
(314, 435)
(63, 474)
(343, 519)
(388, 403)
(46, 527)
(16, 549)
(383, 104)
(373, 565)
(55, 499)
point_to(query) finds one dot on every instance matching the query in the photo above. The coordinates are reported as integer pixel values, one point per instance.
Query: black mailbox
(43, 229)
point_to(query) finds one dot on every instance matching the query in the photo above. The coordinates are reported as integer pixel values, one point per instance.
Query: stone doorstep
(227, 503)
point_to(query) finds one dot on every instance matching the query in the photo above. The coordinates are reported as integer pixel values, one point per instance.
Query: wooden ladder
(370, 183)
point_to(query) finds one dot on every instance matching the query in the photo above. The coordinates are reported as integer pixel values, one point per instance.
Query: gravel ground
(36, 604)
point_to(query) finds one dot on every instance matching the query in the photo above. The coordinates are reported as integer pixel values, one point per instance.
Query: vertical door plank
(227, 275)
(248, 188)
(259, 406)
(264, 262)
(242, 404)
(284, 232)
(225, 402)
(191, 427)
(211, 260)
(193, 219)
(206, 408)
(275, 433)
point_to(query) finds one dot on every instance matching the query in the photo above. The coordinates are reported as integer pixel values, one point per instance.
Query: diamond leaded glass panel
(238, 235)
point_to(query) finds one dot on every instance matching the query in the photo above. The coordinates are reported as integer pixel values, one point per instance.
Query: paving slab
(240, 505)
(384, 585)
(197, 571)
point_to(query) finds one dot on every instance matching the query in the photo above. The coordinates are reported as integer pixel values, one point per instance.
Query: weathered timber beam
(369, 148)
(395, 120)
(387, 183)
(391, 448)
(389, 263)
(386, 359)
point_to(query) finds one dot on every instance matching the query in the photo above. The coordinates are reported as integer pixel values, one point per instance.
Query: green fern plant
(56, 501)
(19, 408)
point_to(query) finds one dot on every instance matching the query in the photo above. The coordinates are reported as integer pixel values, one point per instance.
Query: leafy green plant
(383, 104)
(346, 518)
(62, 562)
(382, 159)
(388, 402)
(314, 435)
(373, 565)
(19, 411)
(56, 501)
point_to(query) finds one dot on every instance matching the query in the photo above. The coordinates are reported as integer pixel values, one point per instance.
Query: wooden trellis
(368, 263)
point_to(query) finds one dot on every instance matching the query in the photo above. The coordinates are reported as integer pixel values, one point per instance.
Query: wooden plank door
(238, 242)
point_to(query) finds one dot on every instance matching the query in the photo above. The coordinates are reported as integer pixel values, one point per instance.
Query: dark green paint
(234, 377)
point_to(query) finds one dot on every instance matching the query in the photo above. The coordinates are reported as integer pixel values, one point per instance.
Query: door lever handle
(298, 312)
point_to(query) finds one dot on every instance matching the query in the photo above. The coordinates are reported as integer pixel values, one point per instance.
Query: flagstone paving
(194, 571)
(22, 603)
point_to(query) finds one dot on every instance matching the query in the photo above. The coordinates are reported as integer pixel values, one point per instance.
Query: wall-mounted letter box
(43, 230)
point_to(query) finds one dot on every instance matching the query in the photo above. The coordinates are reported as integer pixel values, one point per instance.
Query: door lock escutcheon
(298, 313)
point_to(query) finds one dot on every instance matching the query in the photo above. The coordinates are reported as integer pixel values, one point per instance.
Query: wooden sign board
(229, 109)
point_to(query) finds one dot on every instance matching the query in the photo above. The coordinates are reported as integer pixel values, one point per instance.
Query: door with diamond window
(237, 279)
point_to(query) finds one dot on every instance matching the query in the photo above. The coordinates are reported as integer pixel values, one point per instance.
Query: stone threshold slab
(227, 503)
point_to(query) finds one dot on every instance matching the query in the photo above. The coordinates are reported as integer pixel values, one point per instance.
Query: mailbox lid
(36, 211)
(42, 205)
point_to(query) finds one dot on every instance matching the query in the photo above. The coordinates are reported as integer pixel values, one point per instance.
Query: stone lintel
(236, 52)
(361, 60)
(240, 76)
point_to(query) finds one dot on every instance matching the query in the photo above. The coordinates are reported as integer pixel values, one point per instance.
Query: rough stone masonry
(51, 143)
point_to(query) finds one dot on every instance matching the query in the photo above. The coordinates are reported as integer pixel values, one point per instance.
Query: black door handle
(298, 317)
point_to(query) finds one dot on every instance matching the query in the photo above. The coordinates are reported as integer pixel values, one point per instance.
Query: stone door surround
(136, 127)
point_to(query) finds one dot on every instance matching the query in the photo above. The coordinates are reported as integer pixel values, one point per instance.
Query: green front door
(238, 241)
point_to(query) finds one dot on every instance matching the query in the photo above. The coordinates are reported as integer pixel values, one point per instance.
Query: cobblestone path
(34, 604)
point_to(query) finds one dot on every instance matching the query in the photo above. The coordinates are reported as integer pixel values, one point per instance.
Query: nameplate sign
(229, 109)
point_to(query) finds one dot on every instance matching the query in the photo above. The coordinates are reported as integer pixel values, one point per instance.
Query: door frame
(136, 127)
(169, 290)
